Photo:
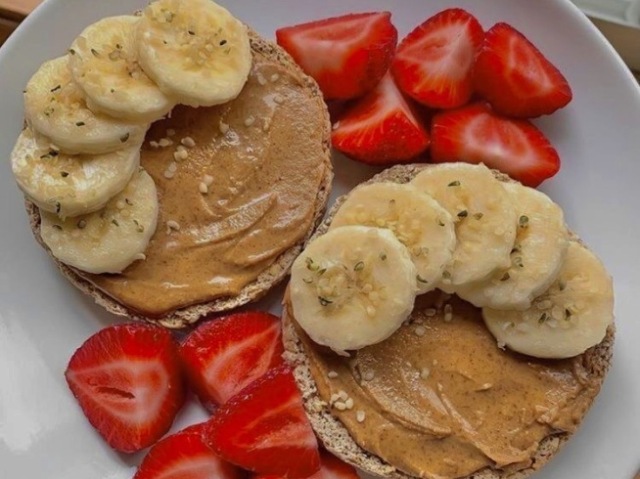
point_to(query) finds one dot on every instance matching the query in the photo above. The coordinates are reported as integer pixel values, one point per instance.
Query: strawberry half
(128, 382)
(330, 468)
(433, 64)
(516, 78)
(475, 134)
(346, 55)
(185, 455)
(224, 355)
(381, 128)
(264, 429)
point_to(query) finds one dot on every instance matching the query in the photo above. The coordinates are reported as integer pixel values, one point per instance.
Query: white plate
(43, 319)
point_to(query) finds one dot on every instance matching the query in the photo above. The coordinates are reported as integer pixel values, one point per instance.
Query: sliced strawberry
(434, 62)
(381, 128)
(330, 468)
(516, 78)
(224, 355)
(185, 455)
(128, 382)
(475, 134)
(264, 428)
(346, 55)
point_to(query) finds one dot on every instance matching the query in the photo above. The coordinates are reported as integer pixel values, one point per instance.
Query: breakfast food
(347, 55)
(236, 187)
(445, 395)
(128, 382)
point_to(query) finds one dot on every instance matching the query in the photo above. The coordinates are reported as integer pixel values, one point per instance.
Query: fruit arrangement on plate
(441, 320)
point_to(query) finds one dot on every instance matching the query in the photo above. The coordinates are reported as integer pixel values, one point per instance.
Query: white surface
(43, 319)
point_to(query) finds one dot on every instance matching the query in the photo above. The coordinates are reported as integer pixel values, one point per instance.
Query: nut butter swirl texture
(438, 399)
(245, 194)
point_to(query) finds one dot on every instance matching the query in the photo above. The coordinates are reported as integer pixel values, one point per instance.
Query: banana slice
(104, 65)
(70, 185)
(485, 221)
(106, 241)
(352, 287)
(56, 108)
(196, 50)
(568, 319)
(416, 219)
(536, 258)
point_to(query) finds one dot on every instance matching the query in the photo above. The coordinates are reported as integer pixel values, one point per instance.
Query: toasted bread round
(335, 436)
(268, 278)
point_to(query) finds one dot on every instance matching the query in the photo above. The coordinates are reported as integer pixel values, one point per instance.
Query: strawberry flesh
(264, 428)
(346, 55)
(433, 64)
(330, 468)
(224, 355)
(475, 134)
(516, 78)
(381, 128)
(184, 455)
(127, 380)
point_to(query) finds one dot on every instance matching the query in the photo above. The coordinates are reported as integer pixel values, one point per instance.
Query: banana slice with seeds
(536, 258)
(352, 287)
(104, 65)
(70, 185)
(572, 316)
(109, 240)
(416, 219)
(195, 51)
(56, 108)
(485, 220)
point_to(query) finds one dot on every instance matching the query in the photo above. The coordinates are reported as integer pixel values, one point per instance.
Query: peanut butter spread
(439, 399)
(237, 186)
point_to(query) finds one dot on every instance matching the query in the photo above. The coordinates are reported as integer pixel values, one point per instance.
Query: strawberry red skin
(346, 55)
(123, 369)
(433, 63)
(475, 134)
(224, 355)
(185, 455)
(516, 78)
(264, 429)
(330, 468)
(382, 128)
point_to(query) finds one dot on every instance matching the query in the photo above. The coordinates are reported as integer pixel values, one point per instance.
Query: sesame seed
(335, 126)
(249, 121)
(424, 373)
(207, 180)
(368, 375)
(188, 142)
(154, 144)
(342, 394)
(173, 225)
(485, 387)
(180, 155)
(501, 344)
(120, 204)
(173, 166)
(171, 132)
(274, 78)
(261, 79)
(334, 397)
(419, 331)
(448, 317)
(430, 312)
(233, 190)
(164, 142)
(279, 99)
(204, 189)
(140, 257)
(169, 174)
(349, 403)
(360, 416)
(223, 127)
(340, 406)
(332, 374)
